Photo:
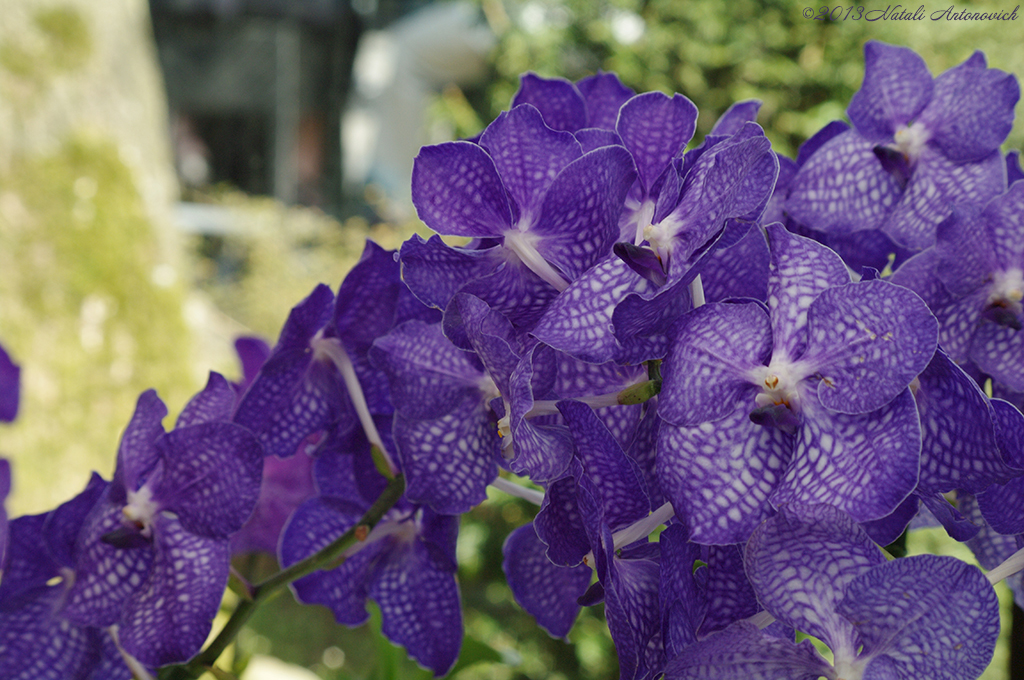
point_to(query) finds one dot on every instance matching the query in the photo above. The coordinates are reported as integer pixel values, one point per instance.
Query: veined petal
(1002, 505)
(557, 99)
(997, 350)
(706, 370)
(457, 191)
(863, 464)
(434, 271)
(655, 128)
(213, 403)
(897, 87)
(604, 95)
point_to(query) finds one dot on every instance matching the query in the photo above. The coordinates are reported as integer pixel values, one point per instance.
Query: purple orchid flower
(806, 401)
(918, 146)
(815, 569)
(591, 104)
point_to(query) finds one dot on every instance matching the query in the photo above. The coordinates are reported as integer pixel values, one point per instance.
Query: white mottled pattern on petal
(719, 475)
(863, 464)
(655, 128)
(998, 351)
(843, 187)
(1006, 227)
(958, 323)
(928, 616)
(36, 645)
(457, 191)
(800, 563)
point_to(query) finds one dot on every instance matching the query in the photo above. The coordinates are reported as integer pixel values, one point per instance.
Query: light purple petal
(720, 475)
(656, 128)
(801, 270)
(801, 562)
(457, 191)
(868, 340)
(928, 616)
(897, 86)
(528, 155)
(842, 187)
(546, 591)
(971, 111)
(864, 464)
(706, 370)
(743, 652)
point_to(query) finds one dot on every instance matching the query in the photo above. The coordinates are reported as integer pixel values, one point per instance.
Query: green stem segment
(328, 557)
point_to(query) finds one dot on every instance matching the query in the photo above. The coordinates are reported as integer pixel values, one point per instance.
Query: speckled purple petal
(971, 111)
(542, 451)
(546, 591)
(1002, 505)
(959, 449)
(897, 87)
(434, 271)
(188, 571)
(997, 350)
(706, 371)
(868, 340)
(801, 270)
(864, 464)
(343, 589)
(578, 221)
(927, 616)
(559, 524)
(801, 563)
(1006, 227)
(64, 524)
(228, 461)
(742, 652)
(937, 184)
(10, 387)
(557, 99)
(137, 453)
(419, 605)
(729, 595)
(842, 187)
(615, 475)
(105, 575)
(427, 374)
(656, 128)
(730, 122)
(719, 475)
(37, 645)
(489, 334)
(515, 291)
(528, 155)
(449, 461)
(595, 138)
(213, 403)
(741, 270)
(604, 95)
(457, 191)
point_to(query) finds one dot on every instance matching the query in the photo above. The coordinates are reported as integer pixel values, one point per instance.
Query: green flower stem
(328, 557)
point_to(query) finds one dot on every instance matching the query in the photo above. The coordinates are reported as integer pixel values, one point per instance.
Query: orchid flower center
(141, 509)
(910, 140)
(1004, 305)
(778, 402)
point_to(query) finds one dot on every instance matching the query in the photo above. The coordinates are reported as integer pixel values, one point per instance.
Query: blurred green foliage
(717, 53)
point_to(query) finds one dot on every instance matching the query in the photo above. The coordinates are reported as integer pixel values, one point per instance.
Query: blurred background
(175, 173)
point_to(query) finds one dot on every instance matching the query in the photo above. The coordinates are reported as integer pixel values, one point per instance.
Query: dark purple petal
(959, 448)
(546, 591)
(730, 597)
(741, 270)
(37, 645)
(211, 477)
(842, 187)
(1014, 173)
(801, 270)
(971, 111)
(887, 529)
(730, 122)
(997, 350)
(169, 618)
(515, 291)
(557, 99)
(706, 370)
(927, 616)
(366, 306)
(1002, 505)
(215, 402)
(427, 374)
(137, 453)
(897, 87)
(1003, 215)
(434, 271)
(287, 484)
(419, 605)
(10, 387)
(578, 221)
(528, 155)
(449, 461)
(457, 191)
(818, 139)
(26, 567)
(559, 523)
(868, 340)
(594, 138)
(680, 595)
(952, 520)
(720, 475)
(801, 563)
(743, 652)
(253, 352)
(542, 451)
(489, 334)
(305, 319)
(604, 95)
(343, 589)
(656, 128)
(864, 464)
(64, 524)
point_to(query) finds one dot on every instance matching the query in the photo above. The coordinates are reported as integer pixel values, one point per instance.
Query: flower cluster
(687, 342)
